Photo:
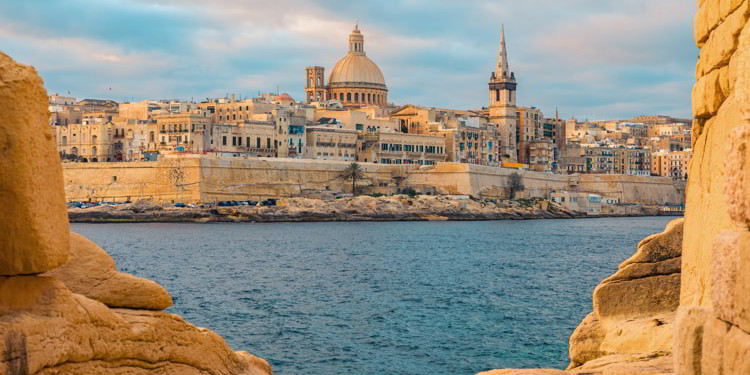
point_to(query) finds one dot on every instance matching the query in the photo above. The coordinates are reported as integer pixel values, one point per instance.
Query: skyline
(589, 60)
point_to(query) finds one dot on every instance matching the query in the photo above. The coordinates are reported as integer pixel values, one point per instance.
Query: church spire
(502, 69)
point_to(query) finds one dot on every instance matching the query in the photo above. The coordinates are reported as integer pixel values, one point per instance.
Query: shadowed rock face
(63, 322)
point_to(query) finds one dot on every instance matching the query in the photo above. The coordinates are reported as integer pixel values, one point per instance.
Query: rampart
(207, 179)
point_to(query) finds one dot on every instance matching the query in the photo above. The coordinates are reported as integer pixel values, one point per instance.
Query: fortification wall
(634, 189)
(167, 180)
(207, 179)
(487, 182)
(249, 179)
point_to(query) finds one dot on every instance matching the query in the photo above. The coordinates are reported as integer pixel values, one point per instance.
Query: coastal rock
(47, 329)
(648, 282)
(688, 339)
(525, 372)
(44, 327)
(90, 271)
(634, 309)
(637, 297)
(33, 217)
(652, 364)
(586, 340)
(659, 247)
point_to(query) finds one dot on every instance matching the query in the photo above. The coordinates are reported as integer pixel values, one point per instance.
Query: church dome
(356, 68)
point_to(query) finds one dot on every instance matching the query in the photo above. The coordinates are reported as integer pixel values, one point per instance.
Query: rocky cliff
(64, 309)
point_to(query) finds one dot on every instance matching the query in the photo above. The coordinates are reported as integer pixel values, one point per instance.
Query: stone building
(355, 80)
(400, 148)
(528, 128)
(502, 102)
(249, 138)
(673, 164)
(331, 142)
(541, 155)
(89, 142)
(184, 132)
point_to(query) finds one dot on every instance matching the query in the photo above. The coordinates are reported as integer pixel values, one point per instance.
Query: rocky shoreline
(362, 208)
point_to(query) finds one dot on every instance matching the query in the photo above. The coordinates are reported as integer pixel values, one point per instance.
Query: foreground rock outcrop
(91, 272)
(713, 322)
(64, 321)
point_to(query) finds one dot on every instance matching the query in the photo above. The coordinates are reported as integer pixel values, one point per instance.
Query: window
(348, 96)
(234, 141)
(268, 142)
(64, 140)
(257, 142)
(247, 142)
(224, 140)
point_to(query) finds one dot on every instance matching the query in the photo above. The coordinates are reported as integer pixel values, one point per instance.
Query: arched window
(341, 97)
(74, 150)
(369, 97)
(363, 97)
(348, 96)
(152, 137)
(356, 96)
(64, 140)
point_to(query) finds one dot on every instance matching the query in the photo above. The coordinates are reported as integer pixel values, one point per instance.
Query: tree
(515, 184)
(353, 172)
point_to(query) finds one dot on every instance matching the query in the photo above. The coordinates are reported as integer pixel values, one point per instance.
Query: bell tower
(502, 103)
(315, 90)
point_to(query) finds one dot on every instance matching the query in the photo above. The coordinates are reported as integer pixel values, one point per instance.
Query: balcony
(325, 144)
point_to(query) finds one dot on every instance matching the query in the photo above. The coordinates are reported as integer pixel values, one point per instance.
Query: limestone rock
(639, 297)
(525, 372)
(660, 246)
(585, 341)
(90, 271)
(738, 176)
(688, 339)
(33, 215)
(47, 329)
(651, 364)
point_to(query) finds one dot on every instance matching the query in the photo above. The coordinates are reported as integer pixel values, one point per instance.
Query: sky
(589, 59)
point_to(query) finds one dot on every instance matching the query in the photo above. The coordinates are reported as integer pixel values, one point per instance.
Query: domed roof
(356, 69)
(283, 96)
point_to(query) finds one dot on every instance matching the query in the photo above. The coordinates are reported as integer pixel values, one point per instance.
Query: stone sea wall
(206, 179)
(64, 309)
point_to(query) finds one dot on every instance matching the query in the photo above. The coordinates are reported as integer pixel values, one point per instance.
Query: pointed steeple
(502, 69)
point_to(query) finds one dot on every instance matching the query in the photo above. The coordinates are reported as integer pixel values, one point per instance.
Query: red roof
(283, 97)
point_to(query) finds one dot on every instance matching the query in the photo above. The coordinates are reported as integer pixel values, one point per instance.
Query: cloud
(589, 58)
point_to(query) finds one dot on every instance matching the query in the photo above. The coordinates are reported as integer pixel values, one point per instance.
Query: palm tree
(353, 172)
